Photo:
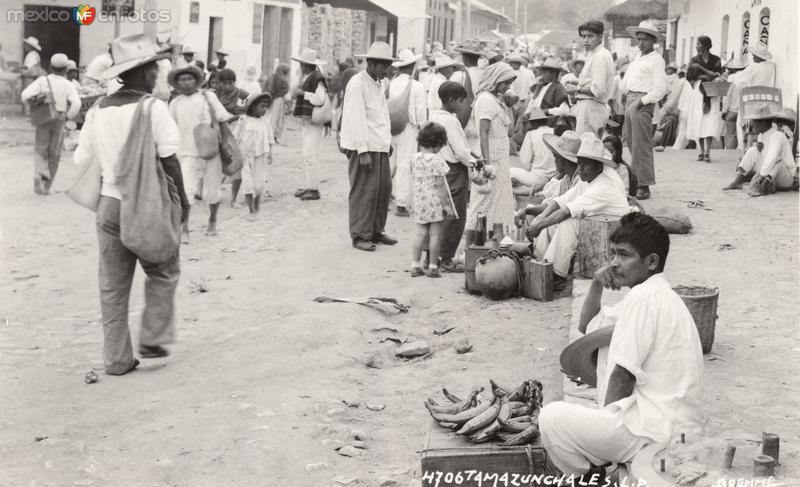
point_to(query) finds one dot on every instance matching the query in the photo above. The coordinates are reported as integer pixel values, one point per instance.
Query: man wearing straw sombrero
(366, 139)
(103, 141)
(644, 85)
(308, 95)
(769, 166)
(652, 387)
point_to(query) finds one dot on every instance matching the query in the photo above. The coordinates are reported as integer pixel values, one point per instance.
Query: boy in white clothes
(652, 388)
(190, 108)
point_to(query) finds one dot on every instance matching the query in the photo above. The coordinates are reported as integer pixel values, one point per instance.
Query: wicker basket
(702, 304)
(716, 88)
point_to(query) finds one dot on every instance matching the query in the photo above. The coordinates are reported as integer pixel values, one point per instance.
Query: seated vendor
(537, 160)
(652, 389)
(769, 166)
(600, 192)
(563, 149)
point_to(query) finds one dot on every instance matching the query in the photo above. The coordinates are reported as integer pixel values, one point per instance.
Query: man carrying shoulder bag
(52, 99)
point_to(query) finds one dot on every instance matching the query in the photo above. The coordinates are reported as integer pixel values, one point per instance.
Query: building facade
(734, 24)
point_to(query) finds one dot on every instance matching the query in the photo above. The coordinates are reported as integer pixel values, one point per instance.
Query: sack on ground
(674, 221)
(150, 208)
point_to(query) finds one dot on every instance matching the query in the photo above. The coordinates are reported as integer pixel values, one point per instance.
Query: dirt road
(252, 393)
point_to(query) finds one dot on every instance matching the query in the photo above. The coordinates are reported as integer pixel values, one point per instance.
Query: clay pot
(497, 277)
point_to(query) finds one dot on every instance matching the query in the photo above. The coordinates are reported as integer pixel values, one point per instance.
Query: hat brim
(172, 77)
(35, 46)
(603, 160)
(560, 69)
(771, 116)
(224, 53)
(765, 55)
(377, 58)
(463, 50)
(316, 62)
(633, 30)
(514, 59)
(402, 64)
(255, 99)
(579, 358)
(120, 68)
(550, 140)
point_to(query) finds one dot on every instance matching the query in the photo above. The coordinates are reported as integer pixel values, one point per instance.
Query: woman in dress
(705, 117)
(493, 119)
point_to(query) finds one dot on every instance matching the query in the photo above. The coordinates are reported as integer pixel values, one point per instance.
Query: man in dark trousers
(366, 139)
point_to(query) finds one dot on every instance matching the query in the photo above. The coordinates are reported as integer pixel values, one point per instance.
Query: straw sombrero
(129, 52)
(33, 42)
(646, 27)
(565, 146)
(470, 46)
(552, 64)
(536, 114)
(760, 50)
(407, 58)
(172, 77)
(255, 97)
(735, 63)
(764, 112)
(579, 358)
(308, 56)
(379, 51)
(592, 148)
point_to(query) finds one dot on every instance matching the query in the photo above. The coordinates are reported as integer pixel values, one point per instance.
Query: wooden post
(729, 453)
(770, 446)
(763, 466)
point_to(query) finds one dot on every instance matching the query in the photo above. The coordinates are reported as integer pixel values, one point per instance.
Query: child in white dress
(432, 202)
(255, 138)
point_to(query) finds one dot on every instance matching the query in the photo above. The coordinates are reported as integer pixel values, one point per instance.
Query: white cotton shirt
(434, 103)
(535, 154)
(521, 86)
(758, 74)
(656, 340)
(365, 116)
(105, 131)
(646, 74)
(777, 151)
(457, 147)
(65, 94)
(189, 111)
(417, 109)
(604, 196)
(32, 59)
(598, 73)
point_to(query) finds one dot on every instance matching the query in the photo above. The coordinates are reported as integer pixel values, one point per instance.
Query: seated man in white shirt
(537, 161)
(600, 193)
(652, 389)
(769, 166)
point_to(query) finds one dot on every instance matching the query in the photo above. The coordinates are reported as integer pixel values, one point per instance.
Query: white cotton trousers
(404, 145)
(529, 178)
(781, 175)
(591, 116)
(557, 244)
(312, 135)
(576, 437)
(209, 171)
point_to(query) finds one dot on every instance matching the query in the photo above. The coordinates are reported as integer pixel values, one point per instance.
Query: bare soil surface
(252, 393)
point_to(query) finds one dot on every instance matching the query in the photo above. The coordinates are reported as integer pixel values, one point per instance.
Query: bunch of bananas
(509, 416)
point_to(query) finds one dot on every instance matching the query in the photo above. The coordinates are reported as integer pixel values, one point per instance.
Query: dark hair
(226, 75)
(450, 90)
(264, 96)
(432, 135)
(538, 122)
(705, 41)
(200, 64)
(560, 128)
(645, 235)
(616, 155)
(595, 26)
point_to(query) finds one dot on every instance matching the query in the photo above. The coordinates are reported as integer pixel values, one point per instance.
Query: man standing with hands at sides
(310, 94)
(644, 85)
(594, 85)
(366, 139)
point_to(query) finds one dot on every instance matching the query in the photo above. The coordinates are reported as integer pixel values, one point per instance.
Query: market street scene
(413, 244)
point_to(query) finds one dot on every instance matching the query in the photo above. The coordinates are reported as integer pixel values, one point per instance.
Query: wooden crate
(538, 281)
(447, 455)
(594, 247)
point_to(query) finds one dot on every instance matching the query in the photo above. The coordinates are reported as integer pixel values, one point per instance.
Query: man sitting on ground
(600, 193)
(537, 160)
(770, 164)
(652, 388)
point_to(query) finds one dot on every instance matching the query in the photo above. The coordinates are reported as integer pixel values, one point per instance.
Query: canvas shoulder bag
(324, 113)
(88, 183)
(43, 107)
(398, 110)
(207, 135)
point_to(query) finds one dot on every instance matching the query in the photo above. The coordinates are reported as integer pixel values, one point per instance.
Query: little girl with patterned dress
(255, 138)
(432, 203)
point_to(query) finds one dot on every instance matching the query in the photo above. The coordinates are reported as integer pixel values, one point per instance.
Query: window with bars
(123, 8)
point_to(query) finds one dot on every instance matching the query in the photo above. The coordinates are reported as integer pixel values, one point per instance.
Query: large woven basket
(716, 88)
(702, 304)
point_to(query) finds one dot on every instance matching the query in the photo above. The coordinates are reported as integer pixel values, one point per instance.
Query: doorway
(214, 37)
(64, 37)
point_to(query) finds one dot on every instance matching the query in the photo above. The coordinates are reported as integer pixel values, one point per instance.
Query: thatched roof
(637, 10)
